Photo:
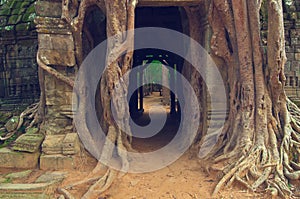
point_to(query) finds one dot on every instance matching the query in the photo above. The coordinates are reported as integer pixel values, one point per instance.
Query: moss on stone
(14, 19)
(16, 15)
(28, 17)
(8, 28)
(30, 9)
(3, 2)
(3, 21)
(25, 4)
(23, 26)
(5, 11)
(18, 11)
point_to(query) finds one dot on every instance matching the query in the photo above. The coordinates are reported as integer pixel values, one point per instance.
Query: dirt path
(184, 179)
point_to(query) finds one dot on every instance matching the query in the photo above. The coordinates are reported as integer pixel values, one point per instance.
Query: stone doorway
(150, 95)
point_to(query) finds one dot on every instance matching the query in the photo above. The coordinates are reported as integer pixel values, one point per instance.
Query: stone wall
(18, 46)
(56, 49)
(19, 43)
(292, 42)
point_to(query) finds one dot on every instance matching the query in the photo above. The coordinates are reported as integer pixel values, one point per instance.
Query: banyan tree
(258, 146)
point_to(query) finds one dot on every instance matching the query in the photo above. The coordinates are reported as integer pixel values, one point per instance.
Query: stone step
(22, 160)
(26, 191)
(218, 111)
(217, 117)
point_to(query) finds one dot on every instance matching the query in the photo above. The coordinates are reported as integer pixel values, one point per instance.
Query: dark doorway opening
(151, 65)
(93, 33)
(93, 30)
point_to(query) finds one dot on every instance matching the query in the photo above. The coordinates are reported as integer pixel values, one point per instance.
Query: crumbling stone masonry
(292, 48)
(18, 48)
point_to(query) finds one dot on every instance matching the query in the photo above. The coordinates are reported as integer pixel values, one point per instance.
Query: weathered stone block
(5, 11)
(289, 49)
(53, 144)
(56, 176)
(32, 130)
(48, 9)
(22, 160)
(56, 162)
(4, 117)
(12, 123)
(28, 142)
(297, 56)
(22, 174)
(28, 17)
(26, 191)
(58, 57)
(56, 42)
(57, 49)
(5, 195)
(294, 41)
(22, 27)
(14, 19)
(290, 56)
(3, 20)
(71, 144)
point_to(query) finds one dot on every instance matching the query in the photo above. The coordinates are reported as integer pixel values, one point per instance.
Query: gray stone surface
(56, 162)
(5, 195)
(22, 160)
(71, 145)
(53, 144)
(22, 174)
(4, 117)
(48, 9)
(18, 47)
(56, 176)
(32, 130)
(26, 191)
(12, 123)
(24, 187)
(28, 142)
(3, 180)
(53, 46)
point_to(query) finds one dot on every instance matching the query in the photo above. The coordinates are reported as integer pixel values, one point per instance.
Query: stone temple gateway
(59, 48)
(262, 125)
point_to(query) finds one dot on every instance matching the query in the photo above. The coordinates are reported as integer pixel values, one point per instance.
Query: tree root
(102, 184)
(54, 72)
(242, 169)
(65, 193)
(31, 111)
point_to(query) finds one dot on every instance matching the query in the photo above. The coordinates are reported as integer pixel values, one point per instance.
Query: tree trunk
(260, 145)
(120, 18)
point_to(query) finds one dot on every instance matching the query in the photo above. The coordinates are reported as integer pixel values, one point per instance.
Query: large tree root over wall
(120, 18)
(260, 145)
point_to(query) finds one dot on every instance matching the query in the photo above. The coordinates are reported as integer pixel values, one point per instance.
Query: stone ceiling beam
(169, 2)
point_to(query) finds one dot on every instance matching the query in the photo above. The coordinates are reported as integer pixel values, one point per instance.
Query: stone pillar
(141, 90)
(133, 103)
(57, 50)
(165, 85)
(172, 94)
